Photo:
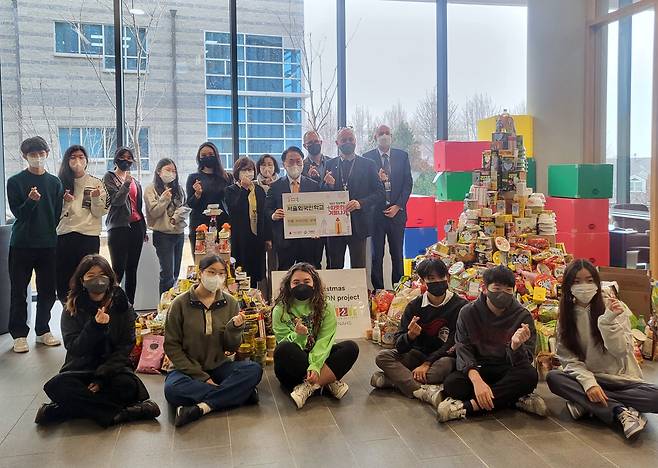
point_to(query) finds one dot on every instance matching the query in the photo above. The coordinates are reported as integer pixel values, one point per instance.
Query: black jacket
(118, 194)
(401, 180)
(364, 186)
(213, 193)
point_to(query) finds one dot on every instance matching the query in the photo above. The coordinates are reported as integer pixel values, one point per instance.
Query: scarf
(261, 181)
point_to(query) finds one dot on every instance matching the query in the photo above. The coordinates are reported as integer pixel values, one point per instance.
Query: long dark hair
(65, 172)
(177, 192)
(318, 301)
(567, 330)
(75, 283)
(217, 167)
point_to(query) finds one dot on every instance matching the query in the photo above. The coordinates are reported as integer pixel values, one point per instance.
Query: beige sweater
(160, 212)
(85, 213)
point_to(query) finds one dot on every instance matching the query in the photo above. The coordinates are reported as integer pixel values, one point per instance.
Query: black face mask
(314, 149)
(347, 148)
(124, 164)
(501, 299)
(207, 161)
(302, 292)
(437, 288)
(97, 285)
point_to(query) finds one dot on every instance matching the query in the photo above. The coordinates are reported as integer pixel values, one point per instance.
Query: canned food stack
(270, 345)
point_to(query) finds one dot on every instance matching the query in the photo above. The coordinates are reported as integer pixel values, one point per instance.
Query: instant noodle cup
(502, 244)
(456, 269)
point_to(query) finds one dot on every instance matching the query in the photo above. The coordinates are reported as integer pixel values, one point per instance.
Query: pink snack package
(152, 353)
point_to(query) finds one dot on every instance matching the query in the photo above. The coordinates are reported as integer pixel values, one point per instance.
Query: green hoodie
(284, 329)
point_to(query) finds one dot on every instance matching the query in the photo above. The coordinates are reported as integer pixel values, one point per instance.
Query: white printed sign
(316, 214)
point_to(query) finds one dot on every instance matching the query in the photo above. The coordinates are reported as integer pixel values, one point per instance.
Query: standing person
(251, 230)
(202, 324)
(96, 381)
(35, 199)
(268, 171)
(600, 375)
(126, 228)
(424, 353)
(395, 173)
(495, 344)
(206, 187)
(290, 251)
(79, 229)
(166, 215)
(307, 358)
(358, 176)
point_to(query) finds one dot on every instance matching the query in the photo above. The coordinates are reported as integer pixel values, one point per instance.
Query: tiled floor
(367, 428)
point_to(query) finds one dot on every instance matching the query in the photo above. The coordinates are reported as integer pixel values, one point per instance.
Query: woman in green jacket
(307, 358)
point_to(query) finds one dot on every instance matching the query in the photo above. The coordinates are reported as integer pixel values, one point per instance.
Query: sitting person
(201, 325)
(424, 351)
(495, 344)
(599, 375)
(306, 357)
(98, 327)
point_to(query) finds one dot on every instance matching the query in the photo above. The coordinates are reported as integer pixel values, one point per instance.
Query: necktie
(295, 186)
(386, 165)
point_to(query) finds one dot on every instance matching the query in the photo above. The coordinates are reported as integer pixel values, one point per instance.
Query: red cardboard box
(459, 156)
(580, 215)
(594, 247)
(446, 210)
(421, 212)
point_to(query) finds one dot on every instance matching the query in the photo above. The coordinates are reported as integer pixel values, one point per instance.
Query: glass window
(66, 38)
(292, 56)
(219, 37)
(217, 100)
(293, 131)
(68, 137)
(293, 103)
(268, 116)
(218, 82)
(266, 146)
(293, 71)
(218, 51)
(264, 55)
(264, 84)
(265, 102)
(270, 41)
(92, 140)
(293, 116)
(219, 131)
(292, 86)
(219, 115)
(297, 143)
(91, 42)
(265, 131)
(216, 67)
(264, 69)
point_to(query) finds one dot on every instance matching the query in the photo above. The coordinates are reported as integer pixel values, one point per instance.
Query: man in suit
(394, 171)
(358, 176)
(290, 251)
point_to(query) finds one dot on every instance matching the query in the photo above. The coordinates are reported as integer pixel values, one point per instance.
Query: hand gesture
(520, 336)
(413, 330)
(96, 192)
(483, 395)
(278, 215)
(68, 198)
(34, 194)
(329, 179)
(312, 377)
(597, 395)
(166, 194)
(268, 245)
(210, 381)
(198, 188)
(383, 176)
(615, 306)
(127, 178)
(352, 205)
(300, 328)
(94, 387)
(420, 372)
(313, 172)
(391, 211)
(238, 320)
(102, 317)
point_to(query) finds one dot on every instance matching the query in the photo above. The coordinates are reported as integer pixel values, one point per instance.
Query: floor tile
(384, 453)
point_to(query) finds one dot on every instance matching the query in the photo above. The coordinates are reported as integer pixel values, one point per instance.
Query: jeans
(235, 382)
(125, 244)
(71, 249)
(169, 248)
(398, 369)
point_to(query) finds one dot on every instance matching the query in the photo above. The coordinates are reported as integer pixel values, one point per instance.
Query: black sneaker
(253, 398)
(187, 414)
(147, 409)
(50, 413)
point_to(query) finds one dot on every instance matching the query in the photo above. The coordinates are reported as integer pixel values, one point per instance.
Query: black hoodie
(484, 338)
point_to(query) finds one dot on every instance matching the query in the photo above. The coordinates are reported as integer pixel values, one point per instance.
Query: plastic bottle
(376, 334)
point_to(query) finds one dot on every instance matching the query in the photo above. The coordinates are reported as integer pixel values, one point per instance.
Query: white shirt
(426, 300)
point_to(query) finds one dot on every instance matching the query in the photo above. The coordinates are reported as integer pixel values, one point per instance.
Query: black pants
(507, 383)
(22, 262)
(125, 244)
(71, 249)
(291, 362)
(70, 391)
(336, 252)
(393, 229)
(298, 250)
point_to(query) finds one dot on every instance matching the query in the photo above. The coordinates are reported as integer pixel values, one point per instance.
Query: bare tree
(425, 122)
(519, 109)
(364, 127)
(477, 107)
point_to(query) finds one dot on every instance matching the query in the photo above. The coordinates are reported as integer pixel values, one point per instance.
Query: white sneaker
(301, 393)
(432, 394)
(379, 380)
(450, 409)
(338, 389)
(533, 404)
(20, 345)
(48, 339)
(576, 411)
(632, 422)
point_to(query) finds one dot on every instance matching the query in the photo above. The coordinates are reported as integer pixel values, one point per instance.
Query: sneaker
(631, 422)
(379, 380)
(20, 345)
(533, 404)
(144, 410)
(576, 411)
(301, 393)
(450, 409)
(338, 389)
(432, 394)
(187, 414)
(48, 339)
(49, 413)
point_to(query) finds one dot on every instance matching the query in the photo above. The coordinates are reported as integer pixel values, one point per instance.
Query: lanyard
(345, 183)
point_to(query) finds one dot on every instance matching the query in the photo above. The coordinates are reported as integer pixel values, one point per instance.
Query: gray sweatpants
(397, 367)
(639, 395)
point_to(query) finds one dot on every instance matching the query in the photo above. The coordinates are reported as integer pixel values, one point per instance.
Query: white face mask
(584, 293)
(36, 162)
(267, 171)
(294, 171)
(247, 176)
(212, 282)
(384, 141)
(167, 177)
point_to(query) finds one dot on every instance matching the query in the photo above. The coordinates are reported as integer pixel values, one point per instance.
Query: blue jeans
(235, 382)
(169, 248)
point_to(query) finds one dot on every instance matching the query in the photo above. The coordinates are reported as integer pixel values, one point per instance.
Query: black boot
(50, 413)
(147, 409)
(187, 414)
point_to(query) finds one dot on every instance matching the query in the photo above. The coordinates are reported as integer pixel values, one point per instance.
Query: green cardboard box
(532, 174)
(580, 180)
(453, 186)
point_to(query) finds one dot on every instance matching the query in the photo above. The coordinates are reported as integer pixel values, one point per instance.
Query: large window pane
(66, 38)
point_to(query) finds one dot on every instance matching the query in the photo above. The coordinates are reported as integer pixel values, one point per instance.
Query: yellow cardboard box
(524, 126)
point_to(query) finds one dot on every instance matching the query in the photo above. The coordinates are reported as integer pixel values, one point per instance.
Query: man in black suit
(291, 251)
(358, 176)
(394, 171)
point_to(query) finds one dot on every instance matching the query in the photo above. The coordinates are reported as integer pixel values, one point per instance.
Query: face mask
(167, 177)
(584, 292)
(267, 171)
(437, 288)
(302, 292)
(384, 141)
(212, 282)
(207, 161)
(247, 175)
(36, 162)
(77, 165)
(124, 165)
(294, 171)
(347, 148)
(97, 285)
(500, 299)
(314, 149)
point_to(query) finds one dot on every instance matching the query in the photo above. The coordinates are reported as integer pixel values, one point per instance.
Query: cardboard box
(531, 178)
(446, 210)
(421, 211)
(634, 288)
(580, 215)
(417, 240)
(594, 247)
(457, 156)
(524, 125)
(453, 186)
(580, 180)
